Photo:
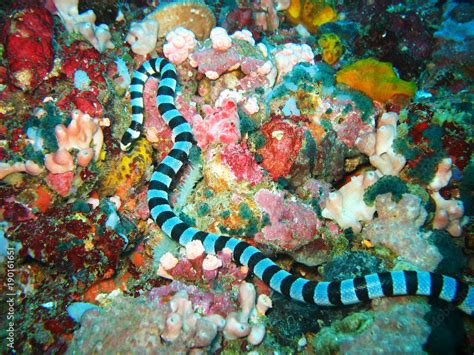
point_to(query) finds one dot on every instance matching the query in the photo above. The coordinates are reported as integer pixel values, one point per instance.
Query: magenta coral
(242, 163)
(292, 224)
(220, 124)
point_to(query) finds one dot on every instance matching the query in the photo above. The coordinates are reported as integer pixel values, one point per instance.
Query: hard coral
(29, 49)
(193, 15)
(378, 80)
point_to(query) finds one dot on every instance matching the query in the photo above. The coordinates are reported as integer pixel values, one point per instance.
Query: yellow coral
(378, 80)
(127, 171)
(332, 47)
(310, 13)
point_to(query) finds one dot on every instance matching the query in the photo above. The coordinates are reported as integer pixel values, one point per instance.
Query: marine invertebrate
(377, 80)
(347, 207)
(322, 293)
(28, 39)
(220, 124)
(98, 36)
(174, 318)
(193, 15)
(283, 142)
(83, 134)
(290, 54)
(332, 47)
(142, 36)
(310, 13)
(127, 171)
(179, 43)
(292, 224)
(397, 226)
(28, 166)
(379, 146)
(235, 52)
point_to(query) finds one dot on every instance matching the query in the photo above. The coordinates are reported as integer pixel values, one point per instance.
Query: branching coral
(98, 36)
(83, 134)
(379, 146)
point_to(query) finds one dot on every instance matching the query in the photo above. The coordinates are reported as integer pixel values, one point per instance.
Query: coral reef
(333, 136)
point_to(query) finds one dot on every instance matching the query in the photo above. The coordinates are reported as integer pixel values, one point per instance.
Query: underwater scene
(236, 177)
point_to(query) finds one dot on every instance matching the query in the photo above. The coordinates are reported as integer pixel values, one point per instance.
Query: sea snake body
(336, 293)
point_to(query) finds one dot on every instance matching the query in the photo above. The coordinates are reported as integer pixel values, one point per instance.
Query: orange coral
(378, 80)
(310, 13)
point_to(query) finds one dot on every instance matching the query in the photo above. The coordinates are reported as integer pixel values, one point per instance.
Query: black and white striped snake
(337, 293)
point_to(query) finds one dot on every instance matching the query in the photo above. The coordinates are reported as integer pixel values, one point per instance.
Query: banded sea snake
(336, 293)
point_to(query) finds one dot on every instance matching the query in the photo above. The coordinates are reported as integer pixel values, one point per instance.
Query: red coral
(86, 101)
(65, 241)
(242, 163)
(81, 56)
(283, 143)
(61, 183)
(29, 50)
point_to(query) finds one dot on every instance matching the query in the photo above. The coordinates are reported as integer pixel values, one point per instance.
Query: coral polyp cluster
(328, 140)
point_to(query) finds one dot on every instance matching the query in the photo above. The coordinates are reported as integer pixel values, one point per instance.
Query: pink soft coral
(220, 124)
(292, 224)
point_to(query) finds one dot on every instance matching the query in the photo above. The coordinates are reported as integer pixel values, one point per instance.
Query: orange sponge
(378, 80)
(310, 13)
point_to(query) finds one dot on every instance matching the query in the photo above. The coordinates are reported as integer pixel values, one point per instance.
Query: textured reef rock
(334, 137)
(28, 37)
